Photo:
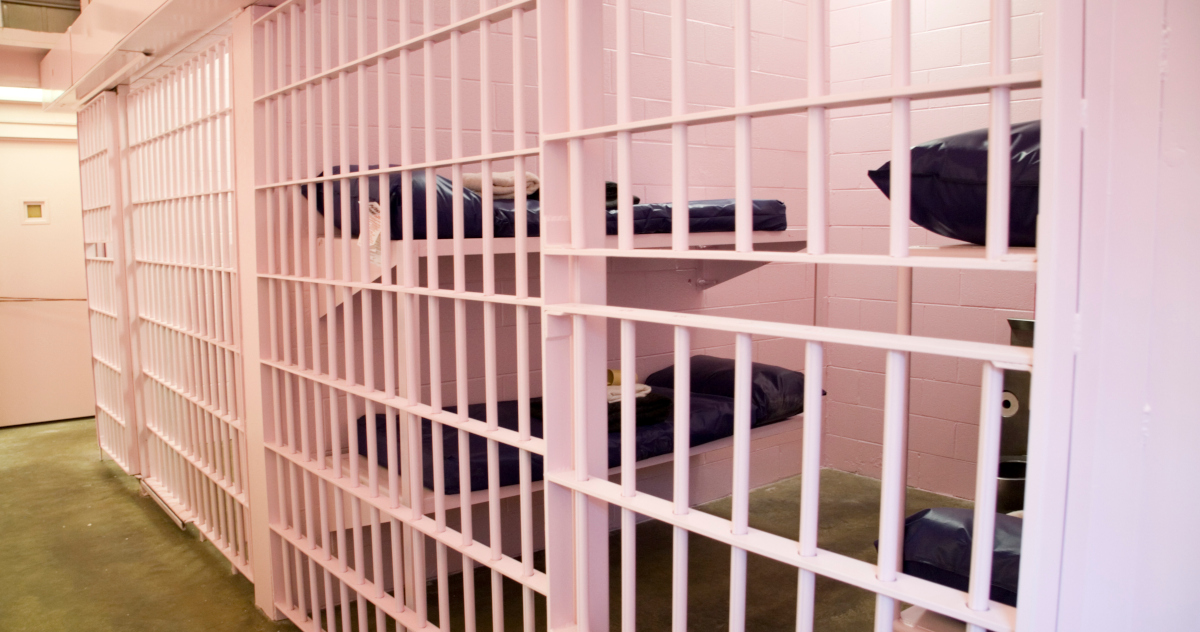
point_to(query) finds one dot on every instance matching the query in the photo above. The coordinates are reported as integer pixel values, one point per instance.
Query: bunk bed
(704, 216)
(710, 226)
(777, 395)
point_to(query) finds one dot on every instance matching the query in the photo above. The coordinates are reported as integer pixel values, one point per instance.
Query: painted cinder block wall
(782, 292)
(950, 40)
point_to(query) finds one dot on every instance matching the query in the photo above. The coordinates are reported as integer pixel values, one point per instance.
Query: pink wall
(781, 292)
(778, 34)
(950, 41)
(777, 73)
(773, 292)
(45, 358)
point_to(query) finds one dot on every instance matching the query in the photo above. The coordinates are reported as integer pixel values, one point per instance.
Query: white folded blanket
(614, 392)
(375, 221)
(504, 183)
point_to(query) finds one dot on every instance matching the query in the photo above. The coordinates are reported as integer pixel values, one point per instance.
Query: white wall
(45, 357)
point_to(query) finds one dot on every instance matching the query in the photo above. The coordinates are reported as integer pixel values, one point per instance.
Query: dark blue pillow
(937, 547)
(949, 185)
(776, 393)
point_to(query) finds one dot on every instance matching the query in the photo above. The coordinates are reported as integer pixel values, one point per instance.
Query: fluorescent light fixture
(25, 95)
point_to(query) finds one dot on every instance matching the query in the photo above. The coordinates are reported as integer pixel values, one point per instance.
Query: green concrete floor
(849, 525)
(80, 549)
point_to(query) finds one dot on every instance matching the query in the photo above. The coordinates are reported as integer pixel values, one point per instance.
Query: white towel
(614, 392)
(504, 183)
(376, 227)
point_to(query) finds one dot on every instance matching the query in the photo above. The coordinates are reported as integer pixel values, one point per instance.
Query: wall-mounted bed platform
(792, 239)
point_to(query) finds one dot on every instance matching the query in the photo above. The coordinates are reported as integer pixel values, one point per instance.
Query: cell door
(179, 142)
(582, 325)
(106, 264)
(395, 324)
(399, 333)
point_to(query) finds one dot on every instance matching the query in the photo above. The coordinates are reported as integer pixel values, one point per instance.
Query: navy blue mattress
(704, 216)
(937, 547)
(711, 419)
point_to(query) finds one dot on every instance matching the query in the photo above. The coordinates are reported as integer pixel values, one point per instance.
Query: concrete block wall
(782, 292)
(778, 67)
(778, 54)
(951, 40)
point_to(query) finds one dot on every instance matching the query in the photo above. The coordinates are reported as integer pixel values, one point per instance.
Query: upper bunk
(350, 250)
(356, 258)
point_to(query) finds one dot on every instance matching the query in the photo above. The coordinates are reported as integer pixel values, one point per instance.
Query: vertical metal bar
(744, 204)
(891, 512)
(999, 132)
(741, 479)
(460, 315)
(571, 47)
(489, 325)
(525, 468)
(408, 380)
(904, 297)
(901, 167)
(327, 148)
(679, 131)
(624, 139)
(250, 146)
(810, 479)
(520, 208)
(579, 403)
(818, 140)
(988, 464)
(431, 223)
(348, 348)
(628, 474)
(1062, 110)
(311, 167)
(366, 296)
(679, 557)
(435, 351)
(125, 306)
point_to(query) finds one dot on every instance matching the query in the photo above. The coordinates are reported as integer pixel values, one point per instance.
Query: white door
(44, 369)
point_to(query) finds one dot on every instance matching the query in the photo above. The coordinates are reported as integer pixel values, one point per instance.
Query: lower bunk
(777, 402)
(775, 451)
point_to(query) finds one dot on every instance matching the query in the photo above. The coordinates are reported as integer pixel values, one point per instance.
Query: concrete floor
(80, 549)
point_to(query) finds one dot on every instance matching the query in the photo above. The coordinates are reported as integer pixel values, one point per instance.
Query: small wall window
(35, 213)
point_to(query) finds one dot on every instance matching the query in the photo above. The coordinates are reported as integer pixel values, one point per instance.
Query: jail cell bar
(578, 493)
(188, 322)
(341, 331)
(107, 271)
